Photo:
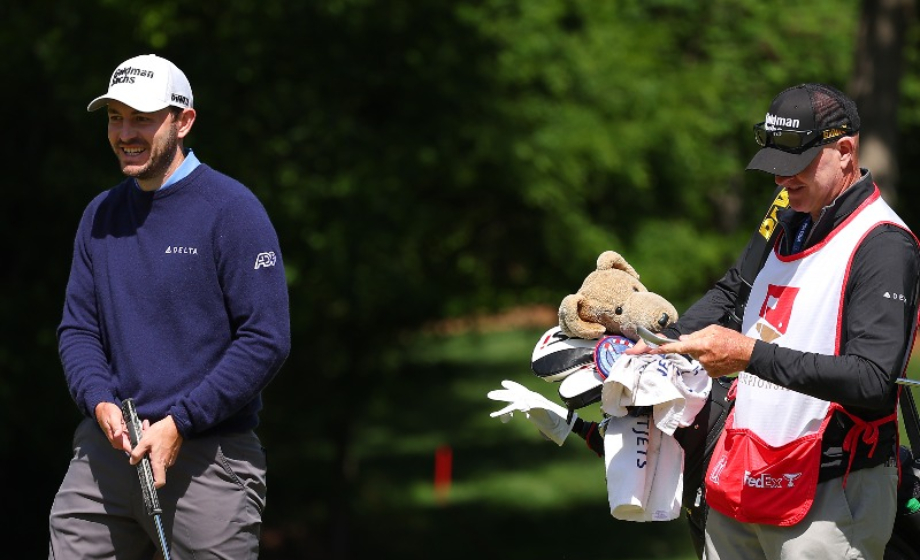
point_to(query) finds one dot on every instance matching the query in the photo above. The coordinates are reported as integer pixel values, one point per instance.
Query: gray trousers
(852, 523)
(212, 502)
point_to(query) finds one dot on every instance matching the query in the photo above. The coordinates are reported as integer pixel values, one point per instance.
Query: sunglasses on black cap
(797, 140)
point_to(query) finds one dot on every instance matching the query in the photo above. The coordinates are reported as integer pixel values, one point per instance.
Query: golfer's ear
(185, 121)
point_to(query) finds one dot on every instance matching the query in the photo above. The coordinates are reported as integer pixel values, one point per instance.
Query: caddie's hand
(721, 351)
(162, 441)
(110, 419)
(547, 416)
(640, 347)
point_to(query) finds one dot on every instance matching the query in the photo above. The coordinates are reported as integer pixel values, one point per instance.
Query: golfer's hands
(162, 441)
(721, 351)
(546, 415)
(110, 419)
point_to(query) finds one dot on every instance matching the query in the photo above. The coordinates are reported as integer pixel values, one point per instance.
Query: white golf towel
(628, 442)
(644, 463)
(673, 386)
(644, 469)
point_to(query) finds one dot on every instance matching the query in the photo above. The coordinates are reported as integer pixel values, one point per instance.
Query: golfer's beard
(161, 157)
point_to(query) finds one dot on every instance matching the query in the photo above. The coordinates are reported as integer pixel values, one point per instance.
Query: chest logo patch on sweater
(174, 249)
(265, 259)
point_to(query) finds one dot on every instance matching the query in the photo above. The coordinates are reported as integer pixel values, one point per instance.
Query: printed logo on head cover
(608, 350)
(551, 338)
(265, 259)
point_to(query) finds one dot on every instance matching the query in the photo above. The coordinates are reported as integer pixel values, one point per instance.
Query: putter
(145, 474)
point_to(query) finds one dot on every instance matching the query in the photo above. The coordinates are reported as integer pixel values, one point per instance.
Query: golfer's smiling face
(146, 144)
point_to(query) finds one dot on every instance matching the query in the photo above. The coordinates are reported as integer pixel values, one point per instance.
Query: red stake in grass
(443, 459)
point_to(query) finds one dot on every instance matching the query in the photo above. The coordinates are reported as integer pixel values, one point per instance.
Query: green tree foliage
(420, 160)
(639, 120)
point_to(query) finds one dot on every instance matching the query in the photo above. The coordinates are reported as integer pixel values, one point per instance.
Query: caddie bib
(766, 463)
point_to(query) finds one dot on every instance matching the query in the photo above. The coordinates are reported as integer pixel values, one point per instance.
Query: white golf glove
(546, 415)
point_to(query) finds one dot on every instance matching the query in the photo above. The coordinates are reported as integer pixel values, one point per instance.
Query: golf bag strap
(911, 419)
(759, 247)
(762, 241)
(905, 396)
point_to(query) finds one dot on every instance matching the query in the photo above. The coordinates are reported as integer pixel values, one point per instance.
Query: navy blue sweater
(178, 299)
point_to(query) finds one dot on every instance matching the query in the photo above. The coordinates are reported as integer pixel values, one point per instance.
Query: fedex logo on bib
(775, 312)
(764, 480)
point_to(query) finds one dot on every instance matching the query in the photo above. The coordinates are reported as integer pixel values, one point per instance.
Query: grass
(513, 494)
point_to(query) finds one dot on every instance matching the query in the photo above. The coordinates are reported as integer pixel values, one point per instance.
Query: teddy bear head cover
(613, 301)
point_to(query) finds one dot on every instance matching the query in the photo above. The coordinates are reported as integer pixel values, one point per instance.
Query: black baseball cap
(801, 120)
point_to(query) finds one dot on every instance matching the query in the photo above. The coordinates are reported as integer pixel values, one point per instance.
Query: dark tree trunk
(875, 86)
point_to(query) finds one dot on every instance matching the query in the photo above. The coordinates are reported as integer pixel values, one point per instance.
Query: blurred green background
(440, 175)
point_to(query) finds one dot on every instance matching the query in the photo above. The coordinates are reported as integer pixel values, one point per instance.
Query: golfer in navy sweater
(177, 299)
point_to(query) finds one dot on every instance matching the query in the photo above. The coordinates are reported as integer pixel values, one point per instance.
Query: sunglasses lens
(784, 139)
(787, 139)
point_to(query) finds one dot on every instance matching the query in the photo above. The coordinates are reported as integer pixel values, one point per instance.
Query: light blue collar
(187, 166)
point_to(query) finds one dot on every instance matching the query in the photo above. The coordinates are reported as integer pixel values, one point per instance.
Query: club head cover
(583, 387)
(556, 355)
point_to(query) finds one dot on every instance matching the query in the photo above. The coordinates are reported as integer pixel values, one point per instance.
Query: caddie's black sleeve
(880, 305)
(710, 309)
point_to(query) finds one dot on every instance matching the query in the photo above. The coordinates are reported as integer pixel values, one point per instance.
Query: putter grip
(144, 471)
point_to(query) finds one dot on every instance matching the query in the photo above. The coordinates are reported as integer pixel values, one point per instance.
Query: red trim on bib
(867, 431)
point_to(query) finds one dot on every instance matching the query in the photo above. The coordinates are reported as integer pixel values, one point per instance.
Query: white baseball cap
(147, 83)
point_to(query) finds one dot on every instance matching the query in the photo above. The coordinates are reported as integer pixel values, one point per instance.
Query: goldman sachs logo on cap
(773, 122)
(128, 74)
